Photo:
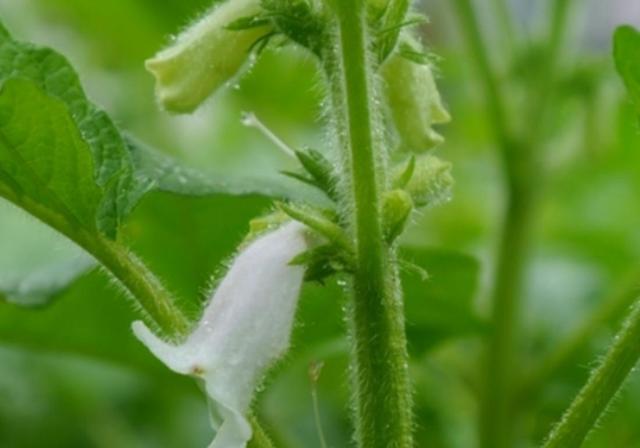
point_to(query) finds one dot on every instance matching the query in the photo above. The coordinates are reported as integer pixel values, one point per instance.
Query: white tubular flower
(414, 101)
(204, 56)
(245, 328)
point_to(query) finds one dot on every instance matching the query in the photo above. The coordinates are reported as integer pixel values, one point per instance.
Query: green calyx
(301, 21)
(427, 179)
(323, 261)
(323, 222)
(397, 206)
(332, 251)
(259, 226)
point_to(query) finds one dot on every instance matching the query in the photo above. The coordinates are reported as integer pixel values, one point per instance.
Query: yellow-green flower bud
(431, 181)
(415, 102)
(204, 57)
(397, 206)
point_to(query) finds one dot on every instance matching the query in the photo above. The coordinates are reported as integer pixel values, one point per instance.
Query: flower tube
(204, 56)
(244, 329)
(414, 101)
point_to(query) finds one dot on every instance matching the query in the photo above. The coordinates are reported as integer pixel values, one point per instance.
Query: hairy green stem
(602, 386)
(143, 285)
(145, 288)
(494, 95)
(543, 88)
(382, 395)
(612, 308)
(500, 359)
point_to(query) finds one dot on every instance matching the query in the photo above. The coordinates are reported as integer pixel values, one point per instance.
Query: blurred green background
(71, 373)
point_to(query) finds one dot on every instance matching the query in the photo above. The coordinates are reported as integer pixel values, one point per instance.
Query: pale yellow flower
(204, 57)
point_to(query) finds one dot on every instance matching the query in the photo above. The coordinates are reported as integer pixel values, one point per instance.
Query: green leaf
(98, 155)
(98, 325)
(44, 161)
(64, 161)
(441, 306)
(157, 171)
(36, 264)
(626, 53)
(185, 240)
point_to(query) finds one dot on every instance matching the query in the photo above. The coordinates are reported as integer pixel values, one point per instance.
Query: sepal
(323, 222)
(431, 181)
(397, 206)
(301, 21)
(320, 170)
(324, 261)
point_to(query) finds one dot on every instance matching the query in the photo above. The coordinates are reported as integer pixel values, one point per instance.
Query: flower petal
(204, 56)
(415, 102)
(244, 329)
(178, 360)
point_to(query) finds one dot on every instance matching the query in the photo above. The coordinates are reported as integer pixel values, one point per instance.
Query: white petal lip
(245, 328)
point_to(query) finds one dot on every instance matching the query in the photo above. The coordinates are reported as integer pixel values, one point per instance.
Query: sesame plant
(333, 222)
(91, 182)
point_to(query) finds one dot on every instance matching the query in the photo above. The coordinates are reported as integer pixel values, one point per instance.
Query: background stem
(494, 95)
(380, 362)
(604, 383)
(495, 419)
(521, 159)
(500, 358)
(504, 17)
